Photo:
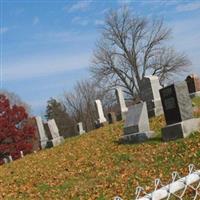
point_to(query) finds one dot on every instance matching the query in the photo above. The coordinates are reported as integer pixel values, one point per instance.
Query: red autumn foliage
(15, 134)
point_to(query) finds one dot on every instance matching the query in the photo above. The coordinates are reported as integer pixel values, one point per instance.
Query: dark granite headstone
(176, 103)
(193, 83)
(47, 131)
(177, 107)
(97, 124)
(111, 117)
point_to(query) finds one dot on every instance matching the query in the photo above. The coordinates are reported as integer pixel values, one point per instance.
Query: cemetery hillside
(100, 100)
(96, 166)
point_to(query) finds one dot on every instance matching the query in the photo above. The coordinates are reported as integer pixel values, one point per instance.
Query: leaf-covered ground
(95, 166)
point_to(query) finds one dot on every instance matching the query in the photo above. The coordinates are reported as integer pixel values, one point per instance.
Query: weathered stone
(10, 159)
(111, 117)
(97, 124)
(5, 160)
(36, 145)
(56, 138)
(176, 103)
(42, 134)
(150, 94)
(21, 154)
(80, 128)
(99, 108)
(121, 102)
(136, 128)
(193, 83)
(177, 107)
(181, 129)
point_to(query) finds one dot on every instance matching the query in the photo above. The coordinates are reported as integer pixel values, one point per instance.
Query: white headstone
(10, 158)
(53, 128)
(80, 128)
(21, 154)
(43, 137)
(121, 101)
(56, 138)
(99, 107)
(5, 160)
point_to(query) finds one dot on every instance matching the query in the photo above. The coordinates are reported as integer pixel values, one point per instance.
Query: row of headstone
(136, 127)
(111, 116)
(150, 92)
(52, 131)
(155, 103)
(177, 105)
(9, 159)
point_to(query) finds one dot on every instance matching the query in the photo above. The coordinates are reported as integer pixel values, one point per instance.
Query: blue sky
(46, 46)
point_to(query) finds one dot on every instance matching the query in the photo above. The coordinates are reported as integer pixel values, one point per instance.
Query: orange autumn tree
(15, 134)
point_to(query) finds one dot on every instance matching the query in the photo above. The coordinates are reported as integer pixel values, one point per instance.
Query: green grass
(196, 101)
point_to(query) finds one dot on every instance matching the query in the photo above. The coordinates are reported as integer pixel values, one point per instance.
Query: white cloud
(36, 20)
(62, 37)
(81, 5)
(41, 66)
(104, 11)
(185, 38)
(80, 21)
(99, 22)
(3, 30)
(124, 2)
(160, 2)
(188, 7)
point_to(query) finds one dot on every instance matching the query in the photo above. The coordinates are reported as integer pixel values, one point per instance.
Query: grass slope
(94, 166)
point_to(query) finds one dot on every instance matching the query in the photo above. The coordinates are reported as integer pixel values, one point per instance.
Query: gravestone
(111, 117)
(101, 120)
(150, 94)
(10, 159)
(36, 140)
(177, 108)
(96, 124)
(5, 160)
(121, 102)
(80, 128)
(21, 154)
(56, 139)
(193, 83)
(42, 135)
(136, 128)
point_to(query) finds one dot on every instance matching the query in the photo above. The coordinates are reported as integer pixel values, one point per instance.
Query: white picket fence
(180, 188)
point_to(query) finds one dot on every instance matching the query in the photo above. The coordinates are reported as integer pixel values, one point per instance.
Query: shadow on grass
(155, 140)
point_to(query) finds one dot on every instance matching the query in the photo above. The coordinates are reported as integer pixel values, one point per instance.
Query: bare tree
(16, 100)
(131, 47)
(80, 103)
